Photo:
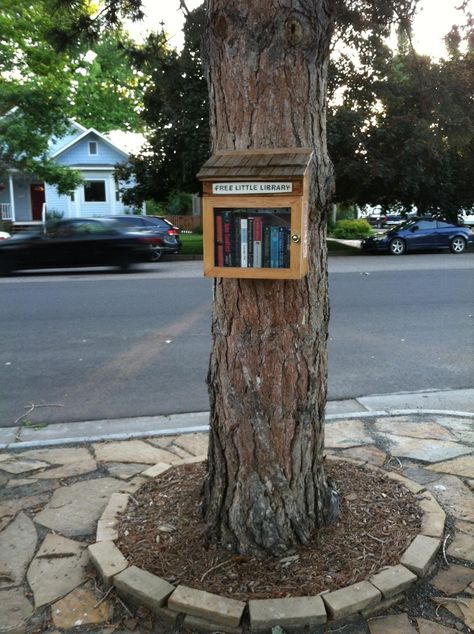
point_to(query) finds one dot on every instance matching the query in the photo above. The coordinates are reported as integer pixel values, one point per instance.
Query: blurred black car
(417, 234)
(153, 226)
(76, 242)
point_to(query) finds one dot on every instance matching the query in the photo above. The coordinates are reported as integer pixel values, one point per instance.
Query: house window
(94, 192)
(93, 148)
(73, 197)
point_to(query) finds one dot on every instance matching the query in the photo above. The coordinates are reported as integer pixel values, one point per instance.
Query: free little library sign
(258, 187)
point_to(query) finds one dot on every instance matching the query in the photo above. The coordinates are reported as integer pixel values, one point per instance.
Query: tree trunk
(266, 490)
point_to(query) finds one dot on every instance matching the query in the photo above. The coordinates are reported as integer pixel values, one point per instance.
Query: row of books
(251, 241)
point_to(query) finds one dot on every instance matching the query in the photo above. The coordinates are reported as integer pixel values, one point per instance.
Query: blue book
(274, 247)
(281, 247)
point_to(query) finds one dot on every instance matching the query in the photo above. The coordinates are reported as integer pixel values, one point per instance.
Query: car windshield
(157, 222)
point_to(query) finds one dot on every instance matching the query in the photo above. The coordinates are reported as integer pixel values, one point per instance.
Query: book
(282, 246)
(250, 242)
(274, 247)
(243, 242)
(257, 242)
(219, 241)
(287, 263)
(227, 222)
(236, 250)
(266, 245)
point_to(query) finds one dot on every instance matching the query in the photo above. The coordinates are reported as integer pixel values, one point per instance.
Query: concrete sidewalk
(51, 500)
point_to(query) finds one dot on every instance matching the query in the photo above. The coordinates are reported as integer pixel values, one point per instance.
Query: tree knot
(294, 31)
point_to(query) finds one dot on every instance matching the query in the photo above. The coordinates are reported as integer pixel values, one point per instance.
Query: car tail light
(173, 232)
(152, 240)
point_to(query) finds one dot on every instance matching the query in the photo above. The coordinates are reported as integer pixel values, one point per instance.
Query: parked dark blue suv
(153, 226)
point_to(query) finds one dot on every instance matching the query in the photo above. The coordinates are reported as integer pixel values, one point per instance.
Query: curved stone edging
(209, 612)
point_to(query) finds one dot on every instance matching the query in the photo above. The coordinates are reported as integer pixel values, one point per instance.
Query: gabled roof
(77, 125)
(82, 136)
(256, 163)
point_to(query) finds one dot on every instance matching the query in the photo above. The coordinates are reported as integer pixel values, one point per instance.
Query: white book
(257, 254)
(243, 242)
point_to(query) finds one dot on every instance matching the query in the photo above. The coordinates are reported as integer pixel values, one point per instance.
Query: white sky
(434, 20)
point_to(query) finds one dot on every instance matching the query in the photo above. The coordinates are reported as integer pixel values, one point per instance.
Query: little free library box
(255, 213)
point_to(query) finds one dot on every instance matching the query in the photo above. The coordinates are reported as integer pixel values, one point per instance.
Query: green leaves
(176, 114)
(42, 87)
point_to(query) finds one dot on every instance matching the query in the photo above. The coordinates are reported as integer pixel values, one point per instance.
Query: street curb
(79, 440)
(402, 412)
(33, 444)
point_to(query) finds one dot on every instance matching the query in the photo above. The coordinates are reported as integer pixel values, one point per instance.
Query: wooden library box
(255, 213)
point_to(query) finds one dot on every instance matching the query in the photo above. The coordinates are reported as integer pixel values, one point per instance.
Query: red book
(219, 241)
(257, 242)
(227, 240)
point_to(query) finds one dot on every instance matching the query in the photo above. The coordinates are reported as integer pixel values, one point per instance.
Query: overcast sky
(434, 20)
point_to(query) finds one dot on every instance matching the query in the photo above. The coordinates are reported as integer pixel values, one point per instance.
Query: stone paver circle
(212, 611)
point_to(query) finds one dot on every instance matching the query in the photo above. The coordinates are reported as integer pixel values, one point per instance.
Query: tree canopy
(399, 124)
(34, 90)
(106, 90)
(403, 135)
(175, 114)
(42, 87)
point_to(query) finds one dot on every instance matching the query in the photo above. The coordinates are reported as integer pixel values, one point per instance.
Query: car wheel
(457, 245)
(123, 265)
(156, 254)
(397, 246)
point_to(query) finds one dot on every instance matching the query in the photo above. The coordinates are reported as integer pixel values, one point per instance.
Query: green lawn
(192, 245)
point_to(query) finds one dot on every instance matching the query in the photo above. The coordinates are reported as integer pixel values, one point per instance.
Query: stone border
(209, 612)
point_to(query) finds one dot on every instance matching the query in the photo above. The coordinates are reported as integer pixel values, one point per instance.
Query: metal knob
(296, 238)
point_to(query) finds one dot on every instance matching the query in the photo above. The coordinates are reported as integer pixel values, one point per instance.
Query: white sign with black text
(252, 188)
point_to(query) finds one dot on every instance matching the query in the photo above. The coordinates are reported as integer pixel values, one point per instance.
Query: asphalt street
(94, 345)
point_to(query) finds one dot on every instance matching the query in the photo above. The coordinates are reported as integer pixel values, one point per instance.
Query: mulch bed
(162, 532)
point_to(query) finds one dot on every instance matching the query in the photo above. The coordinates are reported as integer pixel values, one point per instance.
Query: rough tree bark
(266, 490)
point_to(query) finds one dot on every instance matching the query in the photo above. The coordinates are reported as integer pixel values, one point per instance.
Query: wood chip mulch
(162, 532)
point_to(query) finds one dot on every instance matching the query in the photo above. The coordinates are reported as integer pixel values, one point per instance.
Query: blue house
(25, 200)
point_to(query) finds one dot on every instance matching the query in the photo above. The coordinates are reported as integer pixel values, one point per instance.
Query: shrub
(352, 229)
(154, 209)
(179, 204)
(6, 225)
(54, 214)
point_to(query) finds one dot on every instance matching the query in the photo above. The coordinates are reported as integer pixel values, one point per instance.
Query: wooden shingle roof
(257, 164)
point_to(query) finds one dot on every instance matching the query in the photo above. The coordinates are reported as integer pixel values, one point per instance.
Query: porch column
(12, 197)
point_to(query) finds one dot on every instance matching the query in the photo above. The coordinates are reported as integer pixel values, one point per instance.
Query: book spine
(243, 242)
(237, 254)
(250, 242)
(274, 247)
(288, 248)
(219, 241)
(282, 247)
(226, 221)
(266, 246)
(257, 243)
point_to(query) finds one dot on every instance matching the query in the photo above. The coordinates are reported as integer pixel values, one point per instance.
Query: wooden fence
(185, 223)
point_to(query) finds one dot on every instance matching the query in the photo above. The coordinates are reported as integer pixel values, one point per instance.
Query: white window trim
(96, 153)
(95, 202)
